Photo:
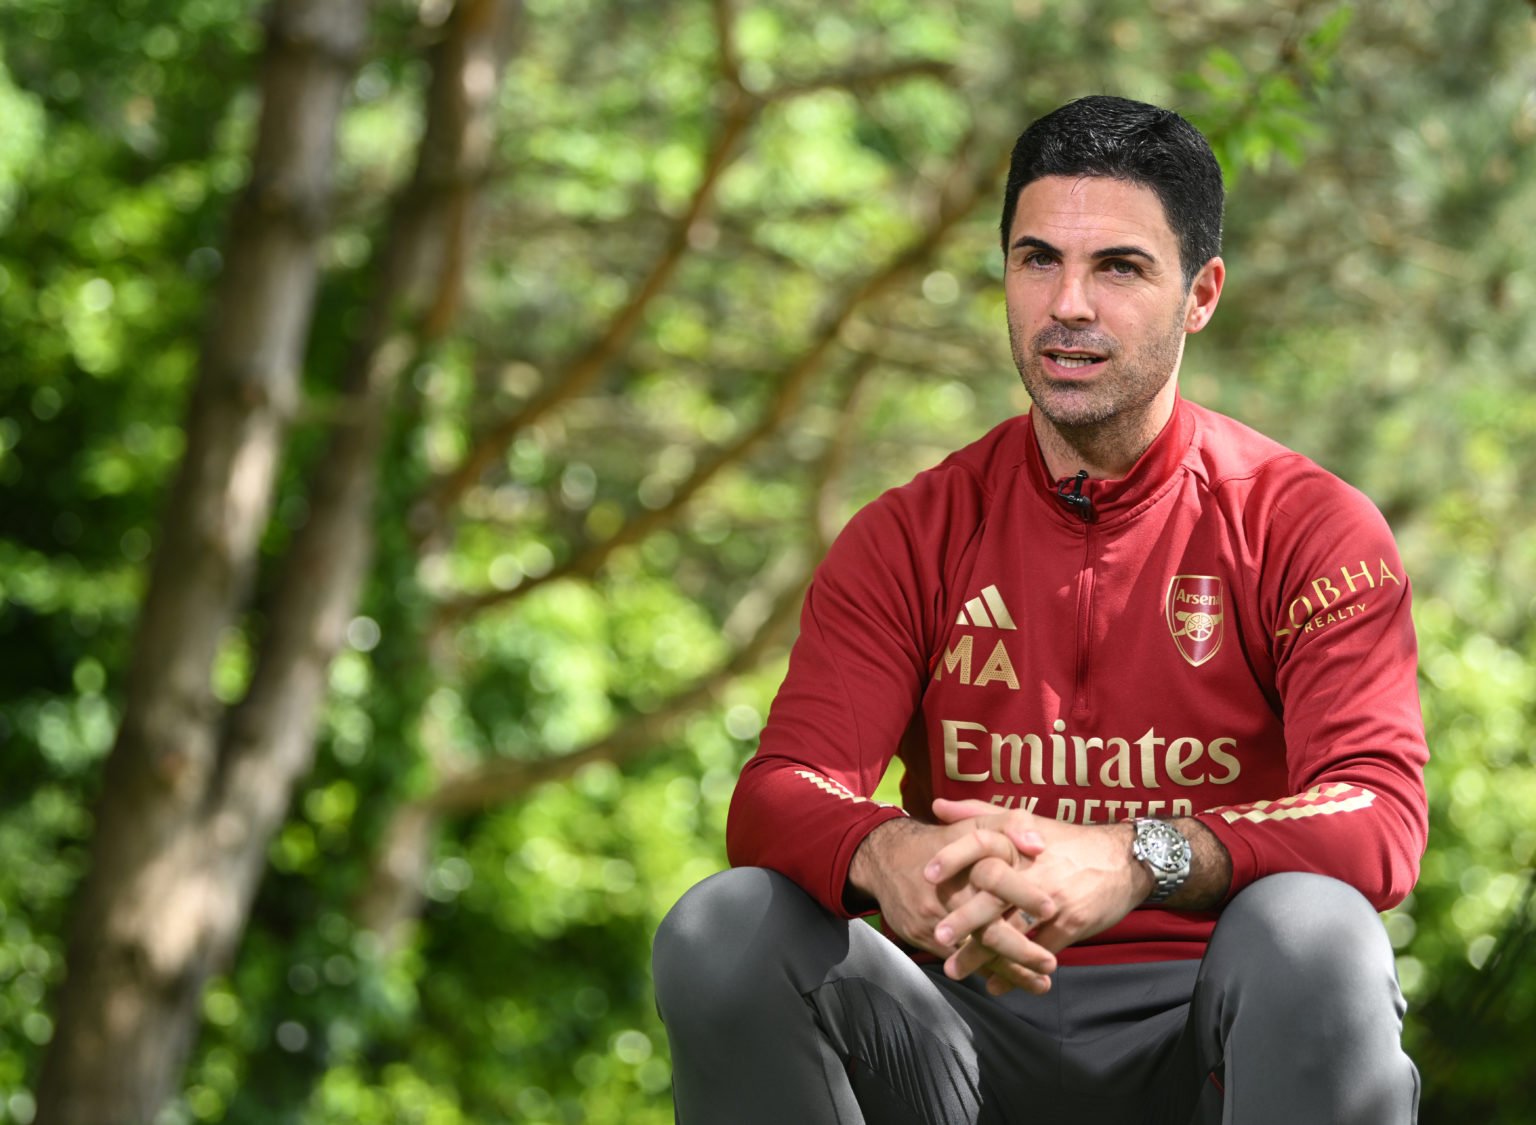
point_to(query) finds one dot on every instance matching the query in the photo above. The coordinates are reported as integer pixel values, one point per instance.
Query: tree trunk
(137, 955)
(187, 815)
(191, 800)
(270, 742)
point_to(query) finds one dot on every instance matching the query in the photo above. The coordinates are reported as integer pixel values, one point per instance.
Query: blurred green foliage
(1380, 316)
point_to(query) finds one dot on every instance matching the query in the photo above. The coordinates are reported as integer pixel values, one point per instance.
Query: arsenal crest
(1196, 610)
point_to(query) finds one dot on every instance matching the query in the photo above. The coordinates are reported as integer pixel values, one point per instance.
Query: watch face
(1161, 845)
(1166, 853)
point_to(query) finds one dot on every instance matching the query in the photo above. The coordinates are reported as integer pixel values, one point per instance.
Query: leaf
(1325, 38)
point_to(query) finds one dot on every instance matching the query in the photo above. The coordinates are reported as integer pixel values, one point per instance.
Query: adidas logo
(986, 611)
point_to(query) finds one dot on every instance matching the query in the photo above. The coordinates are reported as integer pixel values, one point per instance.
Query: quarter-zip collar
(1113, 500)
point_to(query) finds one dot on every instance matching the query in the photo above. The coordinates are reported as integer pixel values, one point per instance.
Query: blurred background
(419, 420)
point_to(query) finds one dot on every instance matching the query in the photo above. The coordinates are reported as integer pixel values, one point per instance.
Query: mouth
(1073, 361)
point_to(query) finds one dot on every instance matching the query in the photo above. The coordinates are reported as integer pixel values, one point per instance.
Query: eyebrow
(1098, 255)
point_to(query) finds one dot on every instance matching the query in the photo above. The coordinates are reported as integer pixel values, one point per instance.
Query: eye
(1037, 259)
(1120, 267)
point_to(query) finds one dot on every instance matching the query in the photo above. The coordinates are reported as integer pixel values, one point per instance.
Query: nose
(1072, 303)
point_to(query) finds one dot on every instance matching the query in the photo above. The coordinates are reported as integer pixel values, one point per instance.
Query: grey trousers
(781, 1014)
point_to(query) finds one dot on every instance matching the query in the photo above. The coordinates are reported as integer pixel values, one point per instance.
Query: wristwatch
(1164, 852)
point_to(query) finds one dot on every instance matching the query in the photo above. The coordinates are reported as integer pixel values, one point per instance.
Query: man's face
(1097, 308)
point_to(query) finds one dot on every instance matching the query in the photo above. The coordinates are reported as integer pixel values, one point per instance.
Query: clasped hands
(999, 891)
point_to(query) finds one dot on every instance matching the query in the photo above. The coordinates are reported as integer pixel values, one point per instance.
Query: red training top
(1223, 633)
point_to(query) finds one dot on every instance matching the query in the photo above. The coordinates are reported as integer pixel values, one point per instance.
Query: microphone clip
(1069, 490)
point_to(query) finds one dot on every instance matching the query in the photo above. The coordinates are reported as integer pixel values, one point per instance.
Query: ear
(1204, 293)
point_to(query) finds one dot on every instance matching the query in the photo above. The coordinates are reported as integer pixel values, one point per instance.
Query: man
(1152, 677)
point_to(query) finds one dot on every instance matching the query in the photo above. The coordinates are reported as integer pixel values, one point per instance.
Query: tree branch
(821, 512)
(582, 370)
(393, 891)
(791, 389)
(725, 39)
(861, 80)
(502, 780)
(956, 200)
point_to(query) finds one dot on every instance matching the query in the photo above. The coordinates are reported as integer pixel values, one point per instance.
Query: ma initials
(998, 668)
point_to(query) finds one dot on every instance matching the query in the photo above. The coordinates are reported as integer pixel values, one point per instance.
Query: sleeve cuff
(838, 889)
(1245, 861)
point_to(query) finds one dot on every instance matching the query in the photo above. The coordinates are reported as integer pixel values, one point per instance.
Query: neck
(1105, 450)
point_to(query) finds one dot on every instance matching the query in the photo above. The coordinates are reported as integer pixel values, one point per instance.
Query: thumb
(950, 812)
(1029, 842)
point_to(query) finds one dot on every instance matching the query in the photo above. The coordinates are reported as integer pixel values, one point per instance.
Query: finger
(950, 812)
(972, 957)
(983, 908)
(1001, 944)
(955, 856)
(1014, 885)
(1054, 937)
(953, 894)
(1016, 974)
(1027, 840)
(1016, 822)
(961, 853)
(1004, 977)
(1008, 939)
(1013, 935)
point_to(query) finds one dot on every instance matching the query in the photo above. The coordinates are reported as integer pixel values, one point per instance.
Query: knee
(722, 938)
(703, 924)
(1308, 942)
(1298, 919)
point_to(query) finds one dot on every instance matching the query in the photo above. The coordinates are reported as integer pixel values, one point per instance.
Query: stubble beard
(1117, 401)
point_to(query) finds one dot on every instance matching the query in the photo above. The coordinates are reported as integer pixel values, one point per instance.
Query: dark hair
(1125, 140)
